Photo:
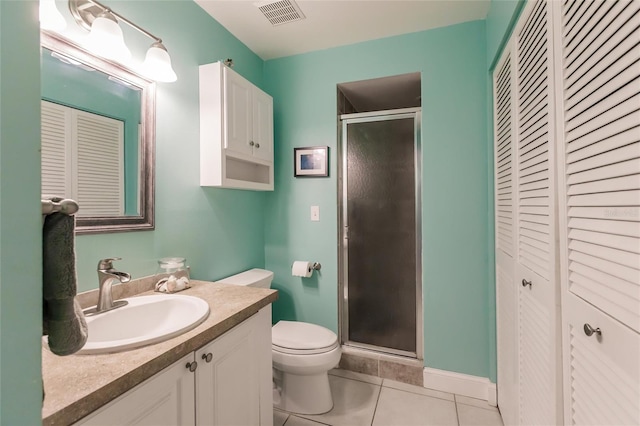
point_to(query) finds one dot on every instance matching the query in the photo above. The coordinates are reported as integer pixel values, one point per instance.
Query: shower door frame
(343, 241)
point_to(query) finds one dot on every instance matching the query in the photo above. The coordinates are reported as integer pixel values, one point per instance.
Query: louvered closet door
(539, 356)
(506, 289)
(599, 168)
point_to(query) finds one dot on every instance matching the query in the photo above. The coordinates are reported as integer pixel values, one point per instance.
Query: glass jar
(173, 266)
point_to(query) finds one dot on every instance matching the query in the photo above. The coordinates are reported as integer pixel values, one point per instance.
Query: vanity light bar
(157, 63)
(125, 20)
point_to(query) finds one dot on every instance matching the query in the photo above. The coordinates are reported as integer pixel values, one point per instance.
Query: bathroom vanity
(217, 373)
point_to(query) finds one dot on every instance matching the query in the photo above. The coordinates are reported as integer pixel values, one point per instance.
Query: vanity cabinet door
(164, 399)
(227, 380)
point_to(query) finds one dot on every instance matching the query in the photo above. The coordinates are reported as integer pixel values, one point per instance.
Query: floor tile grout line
(489, 408)
(304, 418)
(456, 406)
(383, 380)
(358, 380)
(375, 409)
(421, 394)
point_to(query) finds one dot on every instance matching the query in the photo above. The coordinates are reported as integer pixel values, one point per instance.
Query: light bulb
(157, 64)
(50, 16)
(106, 39)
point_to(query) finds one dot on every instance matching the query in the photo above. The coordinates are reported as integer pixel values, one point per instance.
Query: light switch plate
(315, 213)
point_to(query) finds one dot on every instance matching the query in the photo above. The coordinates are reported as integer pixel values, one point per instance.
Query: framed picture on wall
(312, 161)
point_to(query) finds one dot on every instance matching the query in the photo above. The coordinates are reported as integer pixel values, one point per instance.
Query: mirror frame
(145, 219)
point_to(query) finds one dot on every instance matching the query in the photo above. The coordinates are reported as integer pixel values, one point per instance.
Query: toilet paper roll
(302, 268)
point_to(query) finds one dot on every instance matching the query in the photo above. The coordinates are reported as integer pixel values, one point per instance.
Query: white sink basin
(145, 320)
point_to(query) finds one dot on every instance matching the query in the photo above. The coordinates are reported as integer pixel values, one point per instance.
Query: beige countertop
(77, 385)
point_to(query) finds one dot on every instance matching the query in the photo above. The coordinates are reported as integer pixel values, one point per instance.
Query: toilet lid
(302, 336)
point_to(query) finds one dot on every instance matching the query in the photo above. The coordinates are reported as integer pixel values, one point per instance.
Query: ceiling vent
(280, 11)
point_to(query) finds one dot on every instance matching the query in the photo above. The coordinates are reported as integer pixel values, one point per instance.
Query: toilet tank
(251, 278)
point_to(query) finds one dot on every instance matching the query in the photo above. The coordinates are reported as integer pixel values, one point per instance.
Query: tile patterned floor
(360, 399)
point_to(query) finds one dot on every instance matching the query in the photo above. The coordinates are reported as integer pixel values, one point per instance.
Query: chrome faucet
(107, 276)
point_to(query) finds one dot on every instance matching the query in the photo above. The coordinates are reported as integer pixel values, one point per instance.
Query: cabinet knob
(526, 283)
(207, 357)
(192, 366)
(589, 331)
(257, 145)
(251, 143)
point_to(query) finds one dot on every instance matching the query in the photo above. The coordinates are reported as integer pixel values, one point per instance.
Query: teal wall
(75, 87)
(219, 231)
(455, 184)
(20, 219)
(500, 20)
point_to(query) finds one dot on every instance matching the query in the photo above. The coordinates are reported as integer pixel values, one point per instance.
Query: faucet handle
(107, 263)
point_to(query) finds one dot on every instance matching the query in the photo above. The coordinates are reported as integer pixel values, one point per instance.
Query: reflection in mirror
(98, 122)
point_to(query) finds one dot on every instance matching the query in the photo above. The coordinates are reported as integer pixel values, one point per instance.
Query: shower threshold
(400, 368)
(381, 350)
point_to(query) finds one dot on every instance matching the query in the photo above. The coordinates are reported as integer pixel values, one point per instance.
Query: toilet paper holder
(304, 269)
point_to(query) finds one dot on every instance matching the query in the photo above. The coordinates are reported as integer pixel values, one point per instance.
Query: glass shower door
(381, 233)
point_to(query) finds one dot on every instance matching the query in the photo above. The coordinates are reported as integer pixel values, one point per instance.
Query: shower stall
(380, 232)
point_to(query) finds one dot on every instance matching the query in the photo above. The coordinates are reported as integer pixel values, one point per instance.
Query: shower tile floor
(360, 399)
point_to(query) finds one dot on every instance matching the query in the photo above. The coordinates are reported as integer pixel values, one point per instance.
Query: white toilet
(302, 353)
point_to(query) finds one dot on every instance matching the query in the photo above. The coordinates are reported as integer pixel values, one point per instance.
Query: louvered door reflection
(535, 268)
(600, 213)
(55, 156)
(83, 159)
(506, 289)
(100, 164)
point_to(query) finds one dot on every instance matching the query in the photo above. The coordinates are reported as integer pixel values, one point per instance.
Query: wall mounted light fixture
(106, 38)
(50, 16)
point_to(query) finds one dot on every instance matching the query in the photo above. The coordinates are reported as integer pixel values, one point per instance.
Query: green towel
(63, 320)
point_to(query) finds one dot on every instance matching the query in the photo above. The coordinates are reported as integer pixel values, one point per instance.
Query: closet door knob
(589, 331)
(207, 357)
(251, 143)
(192, 366)
(257, 145)
(526, 283)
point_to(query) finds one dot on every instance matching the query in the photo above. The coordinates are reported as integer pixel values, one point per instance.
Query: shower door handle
(346, 232)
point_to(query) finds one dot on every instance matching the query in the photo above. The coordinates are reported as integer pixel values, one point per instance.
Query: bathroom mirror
(98, 138)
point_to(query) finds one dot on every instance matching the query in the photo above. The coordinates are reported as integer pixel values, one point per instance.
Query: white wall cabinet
(236, 131)
(567, 197)
(227, 382)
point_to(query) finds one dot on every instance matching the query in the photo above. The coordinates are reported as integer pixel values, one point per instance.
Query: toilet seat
(301, 338)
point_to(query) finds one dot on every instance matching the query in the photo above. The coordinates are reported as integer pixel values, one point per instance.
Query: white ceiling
(337, 23)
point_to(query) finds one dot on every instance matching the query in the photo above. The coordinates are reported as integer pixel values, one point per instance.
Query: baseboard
(461, 384)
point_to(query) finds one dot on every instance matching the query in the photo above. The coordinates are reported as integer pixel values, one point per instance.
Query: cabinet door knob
(251, 143)
(257, 145)
(207, 357)
(192, 366)
(589, 331)
(526, 283)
